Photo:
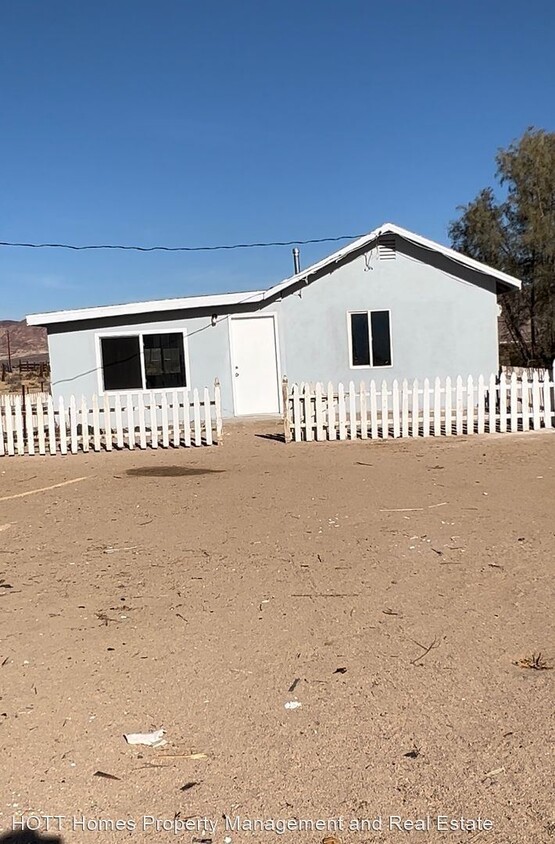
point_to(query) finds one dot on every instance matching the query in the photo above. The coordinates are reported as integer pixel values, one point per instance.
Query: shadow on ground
(170, 472)
(29, 836)
(280, 438)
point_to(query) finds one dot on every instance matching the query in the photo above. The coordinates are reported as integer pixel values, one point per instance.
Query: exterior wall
(74, 362)
(441, 324)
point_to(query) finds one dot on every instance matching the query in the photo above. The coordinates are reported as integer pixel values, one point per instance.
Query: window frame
(101, 335)
(369, 313)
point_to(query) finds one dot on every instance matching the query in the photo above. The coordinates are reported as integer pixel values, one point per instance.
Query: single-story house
(389, 305)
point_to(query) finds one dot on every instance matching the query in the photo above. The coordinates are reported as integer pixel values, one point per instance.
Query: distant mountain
(26, 341)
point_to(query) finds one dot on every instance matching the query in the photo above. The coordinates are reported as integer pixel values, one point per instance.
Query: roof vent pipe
(297, 260)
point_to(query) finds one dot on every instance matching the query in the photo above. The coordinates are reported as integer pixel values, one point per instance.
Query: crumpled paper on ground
(153, 739)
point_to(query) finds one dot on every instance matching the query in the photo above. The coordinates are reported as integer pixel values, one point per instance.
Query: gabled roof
(219, 300)
(507, 281)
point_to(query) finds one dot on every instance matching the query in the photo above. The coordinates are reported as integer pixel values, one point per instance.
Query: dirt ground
(390, 588)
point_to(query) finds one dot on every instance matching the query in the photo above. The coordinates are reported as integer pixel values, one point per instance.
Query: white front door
(254, 365)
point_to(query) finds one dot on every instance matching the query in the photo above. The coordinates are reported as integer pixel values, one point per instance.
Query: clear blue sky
(177, 122)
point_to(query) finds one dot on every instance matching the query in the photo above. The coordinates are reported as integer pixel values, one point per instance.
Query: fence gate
(38, 425)
(445, 407)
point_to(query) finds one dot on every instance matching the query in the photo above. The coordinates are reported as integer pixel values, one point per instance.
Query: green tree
(516, 234)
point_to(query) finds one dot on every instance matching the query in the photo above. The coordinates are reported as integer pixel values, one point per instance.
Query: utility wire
(179, 248)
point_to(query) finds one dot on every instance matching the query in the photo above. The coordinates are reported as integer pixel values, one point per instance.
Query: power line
(179, 248)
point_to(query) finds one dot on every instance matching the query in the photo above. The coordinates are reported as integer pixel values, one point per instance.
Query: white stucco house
(391, 304)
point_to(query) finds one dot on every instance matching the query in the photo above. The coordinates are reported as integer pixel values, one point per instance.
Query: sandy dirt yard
(393, 590)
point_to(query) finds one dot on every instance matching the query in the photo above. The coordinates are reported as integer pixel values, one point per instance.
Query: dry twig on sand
(426, 650)
(536, 662)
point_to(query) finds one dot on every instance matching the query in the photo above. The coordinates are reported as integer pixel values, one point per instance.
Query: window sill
(141, 391)
(367, 368)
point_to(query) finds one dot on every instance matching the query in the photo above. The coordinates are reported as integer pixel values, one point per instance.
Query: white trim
(155, 305)
(273, 315)
(225, 300)
(369, 313)
(100, 335)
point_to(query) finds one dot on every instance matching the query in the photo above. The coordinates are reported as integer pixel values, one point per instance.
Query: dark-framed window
(121, 363)
(370, 338)
(144, 361)
(164, 358)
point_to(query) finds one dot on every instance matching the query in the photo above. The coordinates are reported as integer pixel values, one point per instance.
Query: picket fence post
(218, 412)
(514, 402)
(187, 417)
(448, 407)
(547, 410)
(2, 447)
(502, 403)
(118, 421)
(308, 416)
(10, 441)
(374, 410)
(96, 423)
(73, 425)
(51, 426)
(62, 425)
(352, 411)
(470, 405)
(284, 407)
(415, 409)
(426, 409)
(342, 413)
(437, 407)
(29, 425)
(40, 428)
(196, 418)
(331, 412)
(174, 419)
(481, 404)
(363, 412)
(384, 396)
(319, 412)
(85, 439)
(525, 402)
(536, 400)
(297, 433)
(459, 406)
(405, 408)
(164, 421)
(492, 413)
(19, 439)
(396, 409)
(207, 417)
(130, 422)
(107, 424)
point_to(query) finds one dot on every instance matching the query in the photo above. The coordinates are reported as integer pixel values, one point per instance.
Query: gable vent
(386, 247)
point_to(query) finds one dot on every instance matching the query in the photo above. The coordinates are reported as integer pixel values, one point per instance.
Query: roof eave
(135, 309)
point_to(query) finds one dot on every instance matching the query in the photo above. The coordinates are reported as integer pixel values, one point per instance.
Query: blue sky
(187, 123)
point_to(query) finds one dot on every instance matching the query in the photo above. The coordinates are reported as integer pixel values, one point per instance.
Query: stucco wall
(74, 362)
(441, 324)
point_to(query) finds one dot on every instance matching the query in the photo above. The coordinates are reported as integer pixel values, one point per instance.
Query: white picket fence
(139, 420)
(420, 409)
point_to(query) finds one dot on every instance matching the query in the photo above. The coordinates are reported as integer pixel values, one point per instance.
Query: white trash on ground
(154, 739)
